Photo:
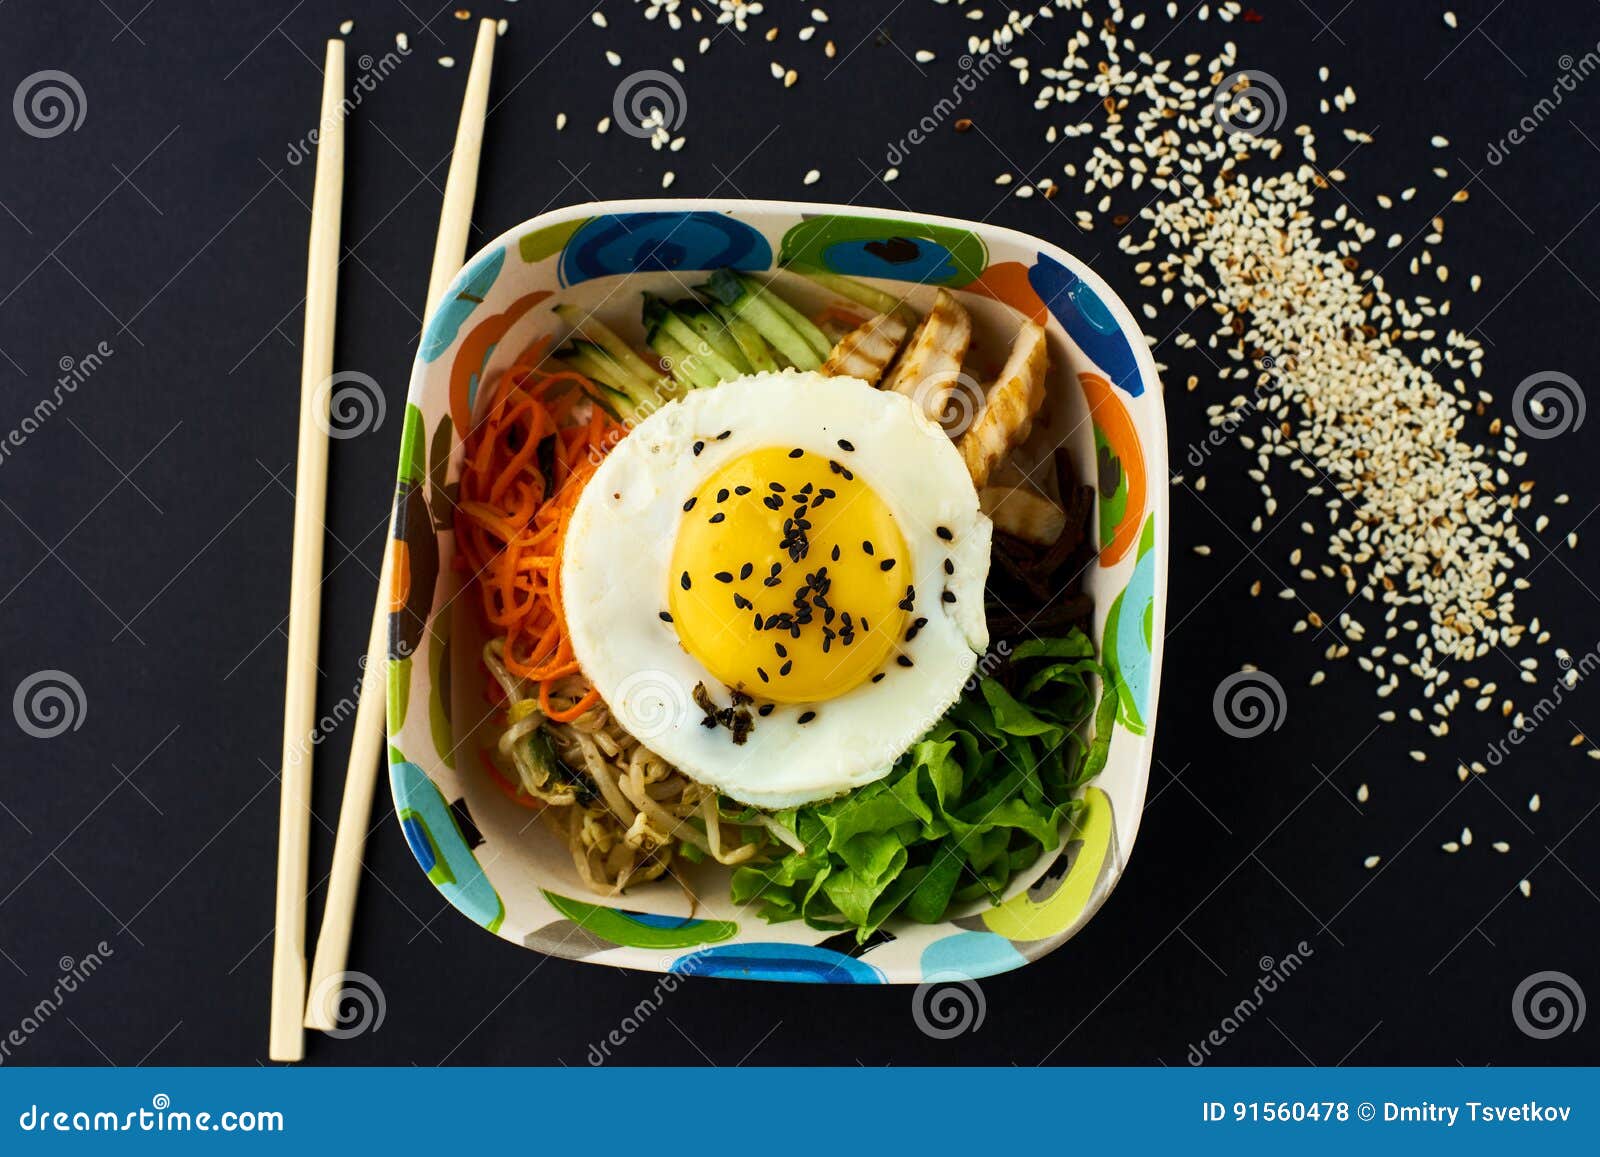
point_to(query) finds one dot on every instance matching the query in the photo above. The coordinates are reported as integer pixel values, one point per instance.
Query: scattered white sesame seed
(402, 42)
(1525, 887)
(890, 174)
(1501, 846)
(1534, 802)
(447, 62)
(597, 18)
(1466, 837)
(1370, 862)
(1449, 19)
(1362, 794)
(501, 26)
(1211, 246)
(561, 121)
(604, 125)
(813, 176)
(924, 56)
(1451, 846)
(667, 178)
(347, 27)
(612, 58)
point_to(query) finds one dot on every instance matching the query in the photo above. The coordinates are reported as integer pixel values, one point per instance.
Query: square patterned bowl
(508, 873)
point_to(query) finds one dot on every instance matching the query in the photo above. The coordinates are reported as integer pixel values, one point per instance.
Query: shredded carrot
(526, 463)
(590, 698)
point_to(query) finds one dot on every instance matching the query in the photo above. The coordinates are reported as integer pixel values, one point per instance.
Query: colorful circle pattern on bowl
(497, 886)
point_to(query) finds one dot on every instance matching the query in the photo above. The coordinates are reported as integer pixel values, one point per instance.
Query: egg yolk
(790, 579)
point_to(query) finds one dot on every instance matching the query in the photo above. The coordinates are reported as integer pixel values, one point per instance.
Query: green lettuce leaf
(978, 799)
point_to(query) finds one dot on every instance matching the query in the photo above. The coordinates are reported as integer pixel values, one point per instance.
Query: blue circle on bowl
(654, 920)
(796, 963)
(452, 313)
(896, 258)
(417, 840)
(1088, 321)
(970, 955)
(648, 242)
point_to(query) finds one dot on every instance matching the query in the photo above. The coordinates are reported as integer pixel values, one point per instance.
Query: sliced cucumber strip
(756, 351)
(663, 319)
(799, 322)
(608, 339)
(730, 289)
(714, 333)
(624, 393)
(848, 287)
(684, 365)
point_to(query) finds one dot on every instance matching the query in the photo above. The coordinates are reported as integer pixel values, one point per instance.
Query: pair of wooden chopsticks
(290, 1012)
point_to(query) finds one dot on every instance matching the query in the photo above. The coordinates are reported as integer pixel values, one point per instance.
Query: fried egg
(777, 584)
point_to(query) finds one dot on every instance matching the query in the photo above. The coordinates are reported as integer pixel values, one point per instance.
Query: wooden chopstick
(311, 488)
(366, 747)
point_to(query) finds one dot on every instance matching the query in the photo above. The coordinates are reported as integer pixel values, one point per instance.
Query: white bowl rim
(1155, 450)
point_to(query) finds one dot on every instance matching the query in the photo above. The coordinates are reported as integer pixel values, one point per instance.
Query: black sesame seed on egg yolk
(782, 516)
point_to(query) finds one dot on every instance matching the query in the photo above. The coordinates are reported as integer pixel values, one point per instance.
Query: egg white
(616, 574)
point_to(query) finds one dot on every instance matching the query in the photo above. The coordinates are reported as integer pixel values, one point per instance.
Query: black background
(146, 529)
